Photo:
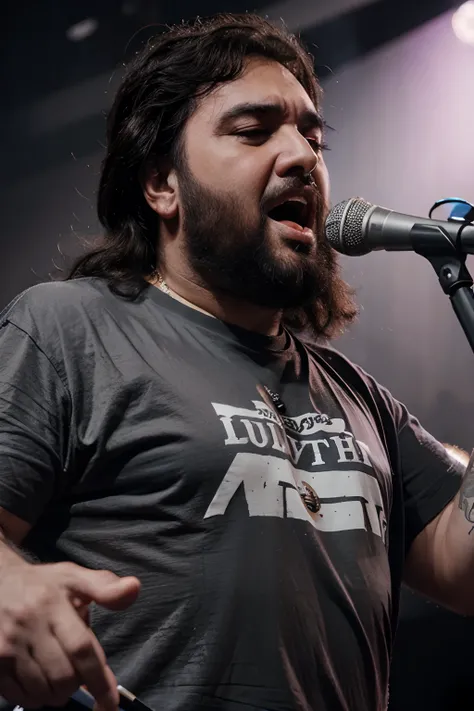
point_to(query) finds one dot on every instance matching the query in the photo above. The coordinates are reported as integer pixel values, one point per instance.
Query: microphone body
(355, 227)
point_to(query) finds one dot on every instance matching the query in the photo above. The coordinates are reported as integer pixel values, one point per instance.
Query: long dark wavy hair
(156, 97)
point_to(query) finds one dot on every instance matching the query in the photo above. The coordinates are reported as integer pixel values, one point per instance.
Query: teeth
(297, 199)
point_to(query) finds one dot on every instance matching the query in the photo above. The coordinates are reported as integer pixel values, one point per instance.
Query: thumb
(105, 588)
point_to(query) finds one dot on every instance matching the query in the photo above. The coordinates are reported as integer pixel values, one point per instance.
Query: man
(164, 426)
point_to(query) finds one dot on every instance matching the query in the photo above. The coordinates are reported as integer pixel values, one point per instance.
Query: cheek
(221, 164)
(206, 168)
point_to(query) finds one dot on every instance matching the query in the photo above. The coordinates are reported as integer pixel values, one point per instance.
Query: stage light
(82, 30)
(463, 22)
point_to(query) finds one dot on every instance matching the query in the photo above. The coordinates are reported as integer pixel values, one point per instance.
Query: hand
(46, 647)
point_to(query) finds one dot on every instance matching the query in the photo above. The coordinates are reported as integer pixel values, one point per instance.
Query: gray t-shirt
(135, 436)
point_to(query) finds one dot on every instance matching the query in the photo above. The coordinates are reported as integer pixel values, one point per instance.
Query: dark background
(399, 92)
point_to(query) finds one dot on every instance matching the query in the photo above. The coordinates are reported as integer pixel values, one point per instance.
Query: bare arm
(12, 530)
(440, 563)
(465, 499)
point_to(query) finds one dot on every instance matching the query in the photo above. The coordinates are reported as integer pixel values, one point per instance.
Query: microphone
(356, 227)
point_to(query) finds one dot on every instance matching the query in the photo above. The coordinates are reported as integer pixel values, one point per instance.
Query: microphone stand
(449, 264)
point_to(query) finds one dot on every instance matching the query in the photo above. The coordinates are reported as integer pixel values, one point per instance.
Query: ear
(160, 188)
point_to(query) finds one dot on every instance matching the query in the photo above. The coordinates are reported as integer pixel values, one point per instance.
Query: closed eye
(262, 134)
(255, 134)
(317, 146)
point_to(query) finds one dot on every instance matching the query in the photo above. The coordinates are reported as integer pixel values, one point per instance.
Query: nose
(296, 157)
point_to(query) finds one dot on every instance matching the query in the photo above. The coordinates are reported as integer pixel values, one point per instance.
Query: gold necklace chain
(162, 284)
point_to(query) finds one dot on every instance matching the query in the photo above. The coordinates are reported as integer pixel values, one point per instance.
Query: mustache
(292, 183)
(298, 183)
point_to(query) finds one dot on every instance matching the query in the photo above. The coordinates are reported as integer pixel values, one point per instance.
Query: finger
(103, 705)
(82, 609)
(11, 691)
(57, 669)
(120, 596)
(32, 680)
(87, 657)
(101, 586)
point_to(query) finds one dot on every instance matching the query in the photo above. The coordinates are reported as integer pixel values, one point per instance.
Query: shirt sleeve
(34, 425)
(431, 476)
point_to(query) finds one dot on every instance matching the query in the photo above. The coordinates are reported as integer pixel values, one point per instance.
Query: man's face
(252, 226)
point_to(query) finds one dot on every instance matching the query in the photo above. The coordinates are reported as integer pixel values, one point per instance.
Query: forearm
(10, 553)
(454, 546)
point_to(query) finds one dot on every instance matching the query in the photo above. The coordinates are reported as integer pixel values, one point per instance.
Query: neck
(225, 308)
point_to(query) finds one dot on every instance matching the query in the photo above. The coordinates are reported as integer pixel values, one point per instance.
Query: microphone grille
(344, 227)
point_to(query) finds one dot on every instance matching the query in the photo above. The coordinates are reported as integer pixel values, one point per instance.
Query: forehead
(262, 81)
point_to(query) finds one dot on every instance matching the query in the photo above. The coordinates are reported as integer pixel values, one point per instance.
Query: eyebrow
(308, 118)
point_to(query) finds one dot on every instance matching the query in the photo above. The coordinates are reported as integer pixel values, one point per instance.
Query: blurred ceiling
(53, 88)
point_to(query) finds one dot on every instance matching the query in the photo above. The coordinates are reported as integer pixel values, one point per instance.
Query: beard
(239, 257)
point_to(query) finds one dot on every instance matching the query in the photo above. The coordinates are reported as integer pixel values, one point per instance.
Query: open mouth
(293, 213)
